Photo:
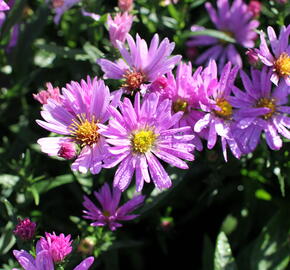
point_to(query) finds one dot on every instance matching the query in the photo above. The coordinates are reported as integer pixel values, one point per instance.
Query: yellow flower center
(106, 213)
(143, 141)
(84, 131)
(267, 103)
(226, 109)
(180, 105)
(133, 80)
(282, 65)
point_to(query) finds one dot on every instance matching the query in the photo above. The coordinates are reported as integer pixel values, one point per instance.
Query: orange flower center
(226, 109)
(267, 103)
(282, 65)
(133, 80)
(84, 131)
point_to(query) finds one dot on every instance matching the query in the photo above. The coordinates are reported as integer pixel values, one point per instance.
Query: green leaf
(93, 52)
(271, 249)
(212, 33)
(35, 194)
(9, 207)
(7, 239)
(158, 195)
(7, 182)
(207, 254)
(223, 258)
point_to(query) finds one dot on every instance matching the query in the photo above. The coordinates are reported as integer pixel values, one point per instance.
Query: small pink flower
(57, 246)
(253, 57)
(255, 7)
(67, 150)
(51, 92)
(125, 5)
(119, 27)
(25, 229)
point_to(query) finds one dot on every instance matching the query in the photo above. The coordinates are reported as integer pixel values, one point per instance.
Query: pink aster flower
(141, 134)
(214, 101)
(279, 59)
(142, 65)
(51, 92)
(43, 260)
(110, 213)
(83, 108)
(261, 109)
(58, 246)
(125, 5)
(183, 93)
(253, 58)
(119, 27)
(25, 229)
(236, 22)
(60, 7)
(3, 6)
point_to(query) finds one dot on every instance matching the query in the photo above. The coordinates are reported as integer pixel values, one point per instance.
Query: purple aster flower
(142, 65)
(25, 229)
(60, 7)
(119, 27)
(83, 108)
(261, 109)
(110, 213)
(183, 93)
(140, 135)
(44, 261)
(236, 22)
(214, 101)
(3, 6)
(279, 59)
(58, 246)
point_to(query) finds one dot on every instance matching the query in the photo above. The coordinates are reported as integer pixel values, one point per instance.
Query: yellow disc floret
(84, 131)
(226, 109)
(179, 105)
(267, 103)
(282, 65)
(143, 141)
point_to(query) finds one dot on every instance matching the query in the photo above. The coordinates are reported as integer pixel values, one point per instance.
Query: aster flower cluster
(50, 250)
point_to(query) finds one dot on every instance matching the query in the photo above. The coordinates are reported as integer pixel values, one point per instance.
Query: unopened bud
(25, 229)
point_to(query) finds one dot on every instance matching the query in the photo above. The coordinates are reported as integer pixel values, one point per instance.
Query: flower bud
(125, 5)
(253, 58)
(25, 229)
(255, 7)
(67, 150)
(51, 92)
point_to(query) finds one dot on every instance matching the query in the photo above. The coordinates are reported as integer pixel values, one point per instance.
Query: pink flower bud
(25, 229)
(51, 92)
(253, 57)
(255, 7)
(57, 3)
(125, 5)
(57, 246)
(159, 85)
(119, 27)
(67, 150)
